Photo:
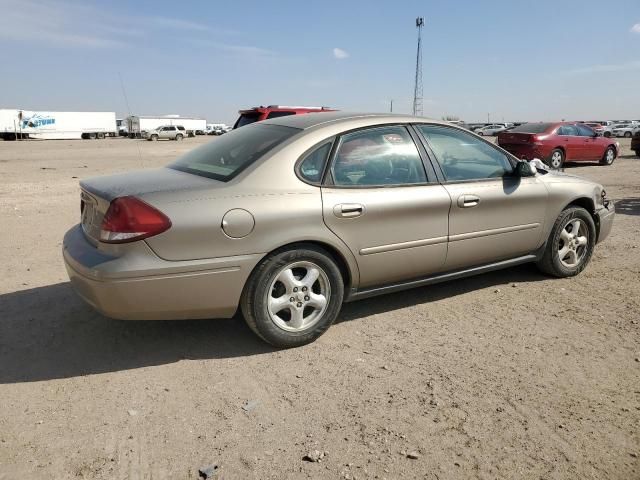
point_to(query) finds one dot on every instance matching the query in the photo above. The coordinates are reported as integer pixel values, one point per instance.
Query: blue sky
(515, 60)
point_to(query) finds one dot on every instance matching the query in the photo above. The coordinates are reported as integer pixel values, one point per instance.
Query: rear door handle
(348, 210)
(468, 201)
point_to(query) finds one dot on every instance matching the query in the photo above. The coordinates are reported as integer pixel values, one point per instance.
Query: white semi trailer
(137, 124)
(56, 125)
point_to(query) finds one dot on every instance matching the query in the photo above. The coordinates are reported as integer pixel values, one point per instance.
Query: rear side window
(227, 156)
(532, 128)
(570, 130)
(279, 114)
(463, 156)
(377, 157)
(312, 165)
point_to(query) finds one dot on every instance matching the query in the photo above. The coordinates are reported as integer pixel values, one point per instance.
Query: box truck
(137, 124)
(56, 125)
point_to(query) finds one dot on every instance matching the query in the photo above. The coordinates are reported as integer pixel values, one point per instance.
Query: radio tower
(417, 89)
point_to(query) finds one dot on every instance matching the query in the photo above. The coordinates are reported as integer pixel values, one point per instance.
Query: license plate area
(88, 210)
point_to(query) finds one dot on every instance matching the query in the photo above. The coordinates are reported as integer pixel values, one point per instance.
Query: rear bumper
(605, 216)
(526, 152)
(139, 285)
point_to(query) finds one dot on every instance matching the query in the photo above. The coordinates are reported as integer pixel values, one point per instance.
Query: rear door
(571, 142)
(382, 199)
(495, 215)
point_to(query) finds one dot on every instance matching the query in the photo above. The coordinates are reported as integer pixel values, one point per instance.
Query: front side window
(463, 156)
(584, 131)
(377, 157)
(227, 156)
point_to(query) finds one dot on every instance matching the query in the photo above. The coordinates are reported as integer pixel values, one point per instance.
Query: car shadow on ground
(628, 206)
(48, 332)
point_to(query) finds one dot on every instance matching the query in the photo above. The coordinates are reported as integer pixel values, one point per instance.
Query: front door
(495, 215)
(382, 204)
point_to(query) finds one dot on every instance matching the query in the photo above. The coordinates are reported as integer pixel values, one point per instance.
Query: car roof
(311, 120)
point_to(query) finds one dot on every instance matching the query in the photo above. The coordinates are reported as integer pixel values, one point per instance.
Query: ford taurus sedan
(288, 218)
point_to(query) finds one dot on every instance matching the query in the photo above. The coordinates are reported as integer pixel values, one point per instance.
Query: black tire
(609, 156)
(556, 159)
(100, 135)
(638, 153)
(607, 134)
(253, 302)
(480, 133)
(627, 135)
(550, 263)
(178, 137)
(92, 136)
(153, 138)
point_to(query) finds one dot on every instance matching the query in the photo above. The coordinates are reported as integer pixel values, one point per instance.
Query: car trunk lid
(97, 193)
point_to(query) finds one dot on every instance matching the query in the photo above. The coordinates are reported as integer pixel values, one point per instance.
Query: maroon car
(556, 143)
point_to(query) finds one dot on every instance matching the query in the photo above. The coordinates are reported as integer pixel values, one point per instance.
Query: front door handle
(468, 201)
(348, 210)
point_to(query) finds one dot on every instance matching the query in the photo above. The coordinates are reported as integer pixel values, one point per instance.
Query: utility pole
(391, 106)
(417, 87)
(488, 118)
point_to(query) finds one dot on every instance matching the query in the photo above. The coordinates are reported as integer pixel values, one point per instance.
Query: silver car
(166, 132)
(494, 129)
(288, 218)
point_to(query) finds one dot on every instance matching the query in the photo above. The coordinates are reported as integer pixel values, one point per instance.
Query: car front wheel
(293, 296)
(627, 135)
(608, 157)
(570, 244)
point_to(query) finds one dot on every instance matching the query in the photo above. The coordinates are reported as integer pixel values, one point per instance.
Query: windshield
(225, 157)
(246, 119)
(531, 128)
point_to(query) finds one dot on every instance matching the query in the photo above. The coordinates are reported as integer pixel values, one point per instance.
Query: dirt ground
(503, 376)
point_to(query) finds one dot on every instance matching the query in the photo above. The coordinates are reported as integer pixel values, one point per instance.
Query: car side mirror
(525, 169)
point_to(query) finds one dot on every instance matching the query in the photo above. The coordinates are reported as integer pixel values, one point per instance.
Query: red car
(257, 114)
(556, 143)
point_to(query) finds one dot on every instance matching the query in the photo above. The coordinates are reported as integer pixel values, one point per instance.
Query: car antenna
(126, 101)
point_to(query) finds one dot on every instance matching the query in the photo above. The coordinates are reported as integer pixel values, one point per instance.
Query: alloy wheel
(298, 296)
(556, 160)
(572, 244)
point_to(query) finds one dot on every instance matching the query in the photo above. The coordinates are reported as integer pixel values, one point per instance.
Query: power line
(417, 88)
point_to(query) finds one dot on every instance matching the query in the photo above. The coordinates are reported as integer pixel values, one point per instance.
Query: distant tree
(450, 118)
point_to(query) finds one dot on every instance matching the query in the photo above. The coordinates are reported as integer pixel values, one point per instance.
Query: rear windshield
(246, 119)
(225, 157)
(532, 128)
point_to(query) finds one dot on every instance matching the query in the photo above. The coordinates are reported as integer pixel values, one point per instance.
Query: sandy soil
(503, 376)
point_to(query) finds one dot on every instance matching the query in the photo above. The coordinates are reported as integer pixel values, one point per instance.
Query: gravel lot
(502, 376)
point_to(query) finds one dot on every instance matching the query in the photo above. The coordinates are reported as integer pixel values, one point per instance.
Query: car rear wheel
(178, 137)
(627, 135)
(556, 159)
(608, 157)
(293, 296)
(570, 244)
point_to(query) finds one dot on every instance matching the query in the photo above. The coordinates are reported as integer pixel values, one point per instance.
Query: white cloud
(636, 28)
(616, 67)
(340, 54)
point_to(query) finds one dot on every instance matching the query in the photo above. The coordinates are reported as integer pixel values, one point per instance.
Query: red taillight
(129, 219)
(534, 138)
